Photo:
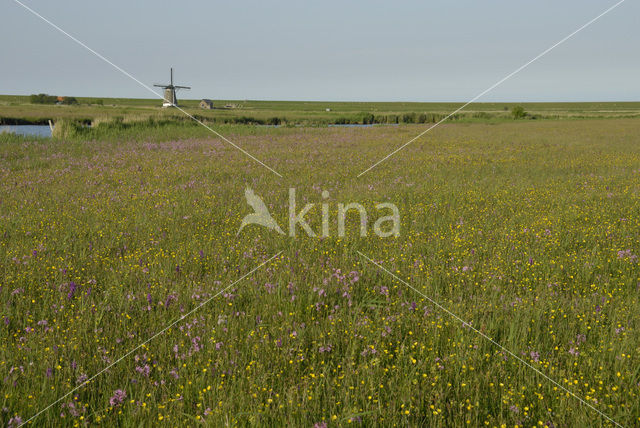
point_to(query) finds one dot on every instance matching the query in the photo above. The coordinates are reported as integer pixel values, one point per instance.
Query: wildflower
(170, 298)
(355, 276)
(321, 292)
(327, 348)
(118, 397)
(72, 290)
(627, 255)
(145, 370)
(16, 421)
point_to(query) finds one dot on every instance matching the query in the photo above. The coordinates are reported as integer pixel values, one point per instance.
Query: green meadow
(16, 109)
(130, 299)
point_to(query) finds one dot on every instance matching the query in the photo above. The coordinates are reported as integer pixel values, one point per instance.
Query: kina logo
(383, 227)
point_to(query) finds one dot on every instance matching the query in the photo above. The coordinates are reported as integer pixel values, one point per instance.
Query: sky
(326, 51)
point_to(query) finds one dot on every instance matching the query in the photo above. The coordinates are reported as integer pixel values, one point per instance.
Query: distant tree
(69, 100)
(518, 112)
(43, 99)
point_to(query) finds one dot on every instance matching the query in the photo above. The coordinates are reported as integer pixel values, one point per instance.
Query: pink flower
(118, 397)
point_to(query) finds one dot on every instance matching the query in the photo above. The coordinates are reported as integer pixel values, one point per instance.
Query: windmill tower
(170, 99)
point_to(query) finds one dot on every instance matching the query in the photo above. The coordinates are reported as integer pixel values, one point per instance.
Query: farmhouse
(206, 104)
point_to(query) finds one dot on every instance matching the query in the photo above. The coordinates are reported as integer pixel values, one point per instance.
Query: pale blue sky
(329, 50)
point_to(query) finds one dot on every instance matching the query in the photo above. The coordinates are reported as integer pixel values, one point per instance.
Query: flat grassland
(17, 109)
(528, 231)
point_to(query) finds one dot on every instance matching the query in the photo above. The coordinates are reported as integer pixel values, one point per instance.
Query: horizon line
(340, 101)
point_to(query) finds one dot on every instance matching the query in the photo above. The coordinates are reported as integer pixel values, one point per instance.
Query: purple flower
(170, 298)
(16, 421)
(118, 397)
(535, 355)
(145, 370)
(626, 254)
(327, 348)
(355, 276)
(195, 344)
(72, 290)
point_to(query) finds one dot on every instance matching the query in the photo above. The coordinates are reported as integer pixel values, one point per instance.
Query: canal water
(27, 130)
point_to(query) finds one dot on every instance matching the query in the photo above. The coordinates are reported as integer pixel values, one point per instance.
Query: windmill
(170, 99)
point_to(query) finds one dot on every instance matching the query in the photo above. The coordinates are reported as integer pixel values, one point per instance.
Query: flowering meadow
(528, 231)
